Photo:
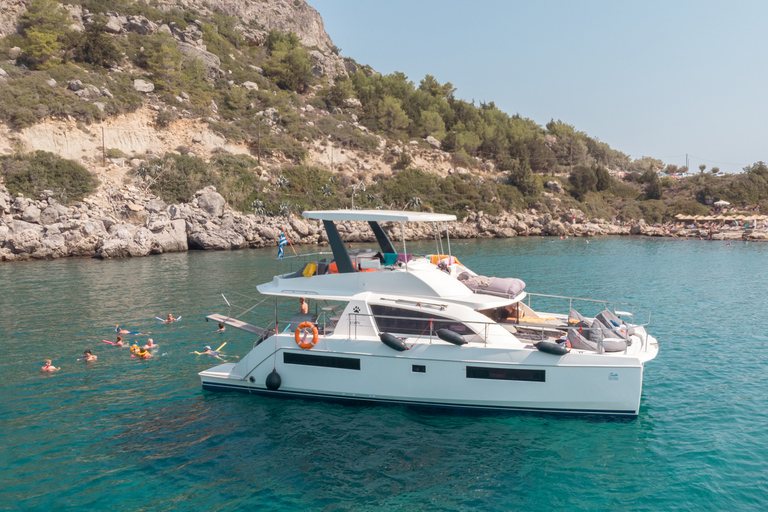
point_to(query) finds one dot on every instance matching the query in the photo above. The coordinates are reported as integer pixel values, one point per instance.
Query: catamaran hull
(480, 385)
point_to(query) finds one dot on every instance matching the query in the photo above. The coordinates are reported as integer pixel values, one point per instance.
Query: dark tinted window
(419, 368)
(346, 363)
(413, 322)
(479, 372)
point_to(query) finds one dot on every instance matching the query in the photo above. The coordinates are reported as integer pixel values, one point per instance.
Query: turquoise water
(122, 434)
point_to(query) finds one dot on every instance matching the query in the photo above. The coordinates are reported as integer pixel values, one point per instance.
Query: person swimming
(207, 351)
(48, 367)
(143, 353)
(88, 356)
(221, 328)
(150, 344)
(170, 319)
(118, 330)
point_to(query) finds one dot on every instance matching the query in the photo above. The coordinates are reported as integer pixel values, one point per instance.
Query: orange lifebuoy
(301, 335)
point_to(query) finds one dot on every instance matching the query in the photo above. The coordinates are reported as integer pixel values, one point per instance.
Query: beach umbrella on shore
(722, 203)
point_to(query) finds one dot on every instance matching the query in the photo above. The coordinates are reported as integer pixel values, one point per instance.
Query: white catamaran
(386, 326)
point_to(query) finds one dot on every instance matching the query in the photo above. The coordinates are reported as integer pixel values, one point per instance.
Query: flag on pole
(280, 244)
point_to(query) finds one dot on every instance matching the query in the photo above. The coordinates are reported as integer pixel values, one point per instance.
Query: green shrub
(97, 48)
(32, 173)
(582, 180)
(403, 161)
(175, 178)
(288, 64)
(339, 130)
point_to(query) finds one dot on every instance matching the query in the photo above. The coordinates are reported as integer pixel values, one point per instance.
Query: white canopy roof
(378, 215)
(722, 203)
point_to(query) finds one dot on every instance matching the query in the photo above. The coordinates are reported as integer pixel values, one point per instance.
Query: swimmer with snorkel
(48, 367)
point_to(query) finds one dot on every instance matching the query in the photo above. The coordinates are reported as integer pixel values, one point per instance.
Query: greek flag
(283, 242)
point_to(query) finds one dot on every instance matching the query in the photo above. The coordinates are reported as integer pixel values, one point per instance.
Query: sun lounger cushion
(579, 341)
(497, 285)
(610, 320)
(574, 317)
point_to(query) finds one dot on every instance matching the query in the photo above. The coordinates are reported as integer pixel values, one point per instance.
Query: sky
(653, 78)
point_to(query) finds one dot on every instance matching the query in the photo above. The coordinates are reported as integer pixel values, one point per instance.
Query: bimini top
(378, 216)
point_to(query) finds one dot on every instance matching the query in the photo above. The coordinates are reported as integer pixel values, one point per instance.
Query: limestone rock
(14, 53)
(327, 65)
(156, 206)
(52, 214)
(140, 25)
(211, 61)
(212, 203)
(113, 25)
(555, 187)
(251, 86)
(173, 238)
(217, 241)
(352, 103)
(26, 241)
(433, 142)
(143, 86)
(31, 214)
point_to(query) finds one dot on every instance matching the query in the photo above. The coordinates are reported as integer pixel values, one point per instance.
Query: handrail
(601, 301)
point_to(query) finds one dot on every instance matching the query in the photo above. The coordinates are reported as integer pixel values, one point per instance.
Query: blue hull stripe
(300, 394)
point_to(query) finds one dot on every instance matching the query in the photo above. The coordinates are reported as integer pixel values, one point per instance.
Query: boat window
(346, 363)
(419, 368)
(405, 321)
(479, 372)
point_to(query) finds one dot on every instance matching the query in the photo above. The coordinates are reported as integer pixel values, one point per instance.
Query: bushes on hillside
(176, 178)
(288, 64)
(30, 174)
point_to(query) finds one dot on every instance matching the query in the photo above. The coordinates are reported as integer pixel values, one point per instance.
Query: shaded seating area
(606, 327)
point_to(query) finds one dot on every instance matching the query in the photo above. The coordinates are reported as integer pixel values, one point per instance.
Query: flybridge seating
(343, 260)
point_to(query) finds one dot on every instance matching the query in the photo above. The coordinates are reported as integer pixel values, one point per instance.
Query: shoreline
(126, 222)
